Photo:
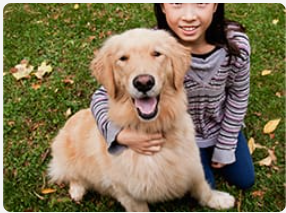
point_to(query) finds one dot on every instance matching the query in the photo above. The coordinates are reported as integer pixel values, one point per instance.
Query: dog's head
(138, 65)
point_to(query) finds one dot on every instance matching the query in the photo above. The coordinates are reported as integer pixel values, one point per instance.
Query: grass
(67, 37)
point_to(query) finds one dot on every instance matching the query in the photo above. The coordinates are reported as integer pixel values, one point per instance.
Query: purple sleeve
(236, 104)
(99, 109)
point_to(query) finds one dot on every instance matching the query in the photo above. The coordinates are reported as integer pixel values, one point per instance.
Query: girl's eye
(124, 58)
(156, 54)
(176, 4)
(202, 4)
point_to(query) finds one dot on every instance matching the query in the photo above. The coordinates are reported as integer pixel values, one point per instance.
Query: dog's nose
(144, 83)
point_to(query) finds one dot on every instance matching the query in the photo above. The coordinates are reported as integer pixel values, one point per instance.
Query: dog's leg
(128, 202)
(208, 197)
(132, 205)
(77, 190)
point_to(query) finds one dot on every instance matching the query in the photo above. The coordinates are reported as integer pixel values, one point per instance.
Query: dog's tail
(58, 168)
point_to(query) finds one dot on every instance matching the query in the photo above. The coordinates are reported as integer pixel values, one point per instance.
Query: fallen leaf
(76, 6)
(91, 38)
(68, 112)
(68, 79)
(278, 94)
(109, 33)
(270, 159)
(22, 70)
(275, 21)
(259, 146)
(271, 126)
(43, 69)
(11, 123)
(258, 193)
(258, 114)
(272, 135)
(36, 86)
(265, 162)
(13, 70)
(272, 155)
(266, 72)
(48, 191)
(251, 145)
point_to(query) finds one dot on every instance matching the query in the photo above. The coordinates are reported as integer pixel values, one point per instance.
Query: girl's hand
(217, 165)
(147, 144)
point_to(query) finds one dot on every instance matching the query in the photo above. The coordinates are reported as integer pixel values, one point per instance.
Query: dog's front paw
(76, 191)
(220, 200)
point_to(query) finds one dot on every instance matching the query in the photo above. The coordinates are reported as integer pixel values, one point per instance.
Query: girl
(217, 86)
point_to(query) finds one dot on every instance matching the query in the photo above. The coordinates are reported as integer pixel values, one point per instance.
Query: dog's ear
(102, 69)
(181, 60)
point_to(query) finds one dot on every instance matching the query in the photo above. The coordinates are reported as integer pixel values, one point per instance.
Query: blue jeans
(240, 173)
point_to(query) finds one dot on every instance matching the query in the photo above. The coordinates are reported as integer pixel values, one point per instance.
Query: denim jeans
(240, 173)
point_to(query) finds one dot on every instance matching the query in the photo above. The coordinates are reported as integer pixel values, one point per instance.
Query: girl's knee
(245, 183)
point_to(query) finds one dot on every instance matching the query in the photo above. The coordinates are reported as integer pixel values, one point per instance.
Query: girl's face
(189, 21)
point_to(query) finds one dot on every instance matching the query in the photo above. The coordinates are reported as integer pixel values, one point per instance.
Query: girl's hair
(216, 34)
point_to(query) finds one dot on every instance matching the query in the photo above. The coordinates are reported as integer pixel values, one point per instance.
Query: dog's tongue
(146, 105)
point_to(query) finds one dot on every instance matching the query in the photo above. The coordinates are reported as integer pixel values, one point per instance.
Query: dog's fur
(80, 155)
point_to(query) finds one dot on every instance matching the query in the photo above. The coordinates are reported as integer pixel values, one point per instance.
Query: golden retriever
(142, 71)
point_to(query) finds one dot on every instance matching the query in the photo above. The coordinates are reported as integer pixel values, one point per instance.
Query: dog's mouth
(147, 107)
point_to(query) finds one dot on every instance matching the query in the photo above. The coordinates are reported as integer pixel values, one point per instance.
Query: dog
(143, 72)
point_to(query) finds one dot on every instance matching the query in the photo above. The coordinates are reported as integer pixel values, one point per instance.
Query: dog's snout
(144, 83)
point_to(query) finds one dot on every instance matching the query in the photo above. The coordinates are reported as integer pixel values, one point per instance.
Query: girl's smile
(190, 22)
(189, 30)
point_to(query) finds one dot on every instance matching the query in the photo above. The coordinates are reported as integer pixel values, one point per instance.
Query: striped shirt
(217, 100)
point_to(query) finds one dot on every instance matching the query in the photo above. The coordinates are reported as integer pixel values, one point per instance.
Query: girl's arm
(236, 104)
(117, 138)
(99, 108)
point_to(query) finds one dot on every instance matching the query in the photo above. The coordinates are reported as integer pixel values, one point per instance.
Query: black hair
(216, 34)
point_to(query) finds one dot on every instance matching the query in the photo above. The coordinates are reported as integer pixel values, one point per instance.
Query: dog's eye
(124, 58)
(156, 54)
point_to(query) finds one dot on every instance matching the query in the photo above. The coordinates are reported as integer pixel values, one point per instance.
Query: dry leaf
(36, 86)
(11, 123)
(68, 112)
(266, 72)
(278, 94)
(265, 162)
(275, 21)
(48, 191)
(109, 33)
(68, 79)
(251, 145)
(258, 114)
(271, 158)
(258, 193)
(259, 146)
(43, 69)
(272, 155)
(91, 38)
(22, 70)
(271, 126)
(272, 135)
(76, 6)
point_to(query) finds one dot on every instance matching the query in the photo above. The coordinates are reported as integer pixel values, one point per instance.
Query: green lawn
(66, 37)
